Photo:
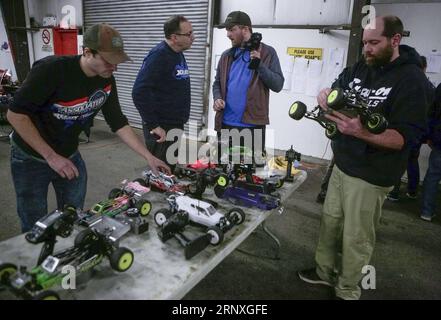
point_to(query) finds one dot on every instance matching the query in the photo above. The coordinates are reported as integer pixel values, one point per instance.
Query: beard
(382, 58)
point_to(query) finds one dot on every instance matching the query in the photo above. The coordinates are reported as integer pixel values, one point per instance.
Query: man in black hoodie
(367, 165)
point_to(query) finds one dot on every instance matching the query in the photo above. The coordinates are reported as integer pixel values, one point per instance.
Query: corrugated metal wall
(141, 23)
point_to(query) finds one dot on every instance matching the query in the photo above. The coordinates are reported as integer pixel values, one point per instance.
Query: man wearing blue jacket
(241, 92)
(161, 92)
(368, 165)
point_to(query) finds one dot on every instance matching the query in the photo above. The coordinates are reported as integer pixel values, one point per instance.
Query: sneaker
(392, 197)
(426, 218)
(411, 195)
(311, 276)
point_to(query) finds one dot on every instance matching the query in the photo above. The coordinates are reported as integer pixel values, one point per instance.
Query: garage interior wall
(141, 26)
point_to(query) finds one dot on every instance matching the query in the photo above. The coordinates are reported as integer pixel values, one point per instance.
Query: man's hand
(255, 54)
(346, 125)
(63, 166)
(156, 165)
(219, 104)
(322, 98)
(389, 139)
(160, 133)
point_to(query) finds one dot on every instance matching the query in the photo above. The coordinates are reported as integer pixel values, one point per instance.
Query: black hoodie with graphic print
(399, 91)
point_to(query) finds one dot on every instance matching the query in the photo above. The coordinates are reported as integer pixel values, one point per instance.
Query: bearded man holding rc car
(367, 162)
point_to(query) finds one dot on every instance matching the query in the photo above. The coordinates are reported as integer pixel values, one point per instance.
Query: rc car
(125, 204)
(184, 210)
(203, 174)
(56, 223)
(169, 183)
(247, 198)
(349, 103)
(90, 247)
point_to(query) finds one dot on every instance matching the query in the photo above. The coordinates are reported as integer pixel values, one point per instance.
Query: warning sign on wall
(307, 53)
(46, 41)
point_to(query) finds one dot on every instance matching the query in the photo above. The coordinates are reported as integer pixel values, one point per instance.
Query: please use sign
(307, 53)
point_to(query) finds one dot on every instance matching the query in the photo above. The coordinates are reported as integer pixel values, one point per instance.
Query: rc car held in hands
(349, 103)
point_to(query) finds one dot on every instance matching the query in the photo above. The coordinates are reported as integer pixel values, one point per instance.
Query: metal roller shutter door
(141, 26)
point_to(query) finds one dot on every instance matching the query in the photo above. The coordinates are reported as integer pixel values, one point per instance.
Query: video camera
(253, 43)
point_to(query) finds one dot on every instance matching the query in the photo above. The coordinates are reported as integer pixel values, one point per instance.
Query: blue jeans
(159, 150)
(32, 177)
(413, 172)
(430, 185)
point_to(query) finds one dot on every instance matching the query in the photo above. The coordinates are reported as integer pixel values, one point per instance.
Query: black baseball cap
(236, 18)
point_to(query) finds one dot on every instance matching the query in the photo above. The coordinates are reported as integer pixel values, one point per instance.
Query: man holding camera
(244, 75)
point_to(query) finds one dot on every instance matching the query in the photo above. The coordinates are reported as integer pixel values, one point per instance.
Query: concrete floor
(407, 257)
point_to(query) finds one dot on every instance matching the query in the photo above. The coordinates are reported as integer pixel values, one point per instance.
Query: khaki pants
(351, 213)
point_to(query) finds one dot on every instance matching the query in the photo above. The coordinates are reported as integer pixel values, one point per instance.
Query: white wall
(307, 137)
(291, 11)
(424, 23)
(6, 61)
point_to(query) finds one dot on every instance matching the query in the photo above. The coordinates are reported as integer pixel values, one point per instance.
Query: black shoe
(392, 196)
(321, 197)
(311, 276)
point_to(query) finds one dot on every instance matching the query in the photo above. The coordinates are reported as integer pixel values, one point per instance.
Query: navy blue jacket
(435, 119)
(162, 92)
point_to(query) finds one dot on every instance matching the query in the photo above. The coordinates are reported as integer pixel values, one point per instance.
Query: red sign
(46, 36)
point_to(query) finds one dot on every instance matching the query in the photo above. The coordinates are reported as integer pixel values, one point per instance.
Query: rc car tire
(297, 110)
(84, 237)
(121, 259)
(217, 236)
(336, 99)
(331, 131)
(376, 123)
(161, 216)
(47, 295)
(6, 271)
(144, 207)
(236, 215)
(219, 191)
(114, 193)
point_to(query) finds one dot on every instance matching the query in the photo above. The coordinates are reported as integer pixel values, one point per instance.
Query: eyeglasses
(188, 34)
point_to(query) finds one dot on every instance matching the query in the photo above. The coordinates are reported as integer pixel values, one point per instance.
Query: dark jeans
(31, 179)
(256, 131)
(159, 150)
(413, 172)
(430, 184)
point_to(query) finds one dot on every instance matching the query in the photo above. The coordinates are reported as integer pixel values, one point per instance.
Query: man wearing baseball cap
(241, 94)
(59, 98)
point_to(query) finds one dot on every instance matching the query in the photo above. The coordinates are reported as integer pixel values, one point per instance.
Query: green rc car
(90, 247)
(349, 103)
